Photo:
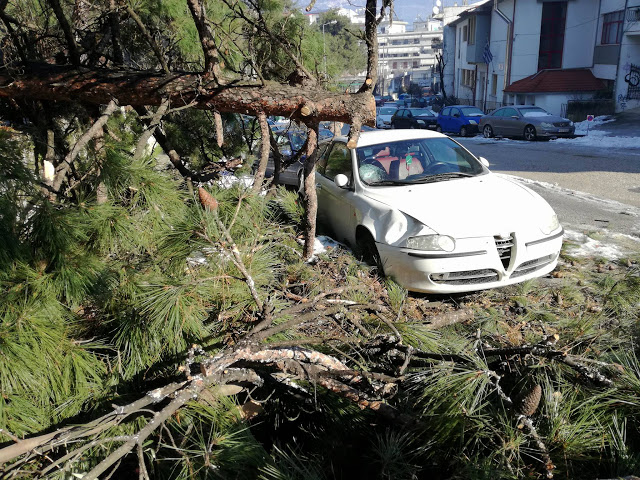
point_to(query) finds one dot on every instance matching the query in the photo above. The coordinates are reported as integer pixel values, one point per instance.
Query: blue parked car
(460, 119)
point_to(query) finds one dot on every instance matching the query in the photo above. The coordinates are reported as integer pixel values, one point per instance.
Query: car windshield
(424, 112)
(421, 160)
(471, 112)
(533, 112)
(387, 111)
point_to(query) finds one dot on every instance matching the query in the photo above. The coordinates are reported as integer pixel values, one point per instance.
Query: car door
(443, 118)
(455, 121)
(400, 120)
(495, 120)
(512, 122)
(335, 204)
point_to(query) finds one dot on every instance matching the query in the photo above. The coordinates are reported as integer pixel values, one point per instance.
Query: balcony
(632, 24)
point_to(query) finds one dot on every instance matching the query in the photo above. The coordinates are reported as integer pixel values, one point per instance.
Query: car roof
(375, 137)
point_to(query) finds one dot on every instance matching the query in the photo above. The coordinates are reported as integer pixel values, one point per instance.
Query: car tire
(463, 131)
(530, 133)
(368, 251)
(487, 131)
(438, 129)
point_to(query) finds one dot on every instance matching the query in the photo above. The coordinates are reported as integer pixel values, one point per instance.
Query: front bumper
(472, 128)
(476, 264)
(557, 132)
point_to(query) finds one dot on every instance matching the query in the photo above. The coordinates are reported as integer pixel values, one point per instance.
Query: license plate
(563, 130)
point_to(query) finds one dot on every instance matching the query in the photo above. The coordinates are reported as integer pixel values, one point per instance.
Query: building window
(552, 35)
(468, 77)
(415, 64)
(612, 28)
(494, 84)
(416, 41)
(472, 31)
(405, 64)
(394, 65)
(465, 33)
(459, 42)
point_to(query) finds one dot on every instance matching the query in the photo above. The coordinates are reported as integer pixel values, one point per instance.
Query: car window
(472, 112)
(446, 111)
(510, 112)
(338, 161)
(498, 113)
(387, 111)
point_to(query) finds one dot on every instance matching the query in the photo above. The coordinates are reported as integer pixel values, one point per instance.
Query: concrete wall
(581, 26)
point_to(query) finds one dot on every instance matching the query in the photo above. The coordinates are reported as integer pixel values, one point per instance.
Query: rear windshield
(471, 111)
(388, 111)
(425, 112)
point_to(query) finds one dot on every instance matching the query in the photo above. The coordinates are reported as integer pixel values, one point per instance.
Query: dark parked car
(414, 118)
(526, 121)
(460, 119)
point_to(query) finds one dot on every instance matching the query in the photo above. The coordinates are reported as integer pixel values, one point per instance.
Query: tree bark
(264, 152)
(310, 199)
(47, 82)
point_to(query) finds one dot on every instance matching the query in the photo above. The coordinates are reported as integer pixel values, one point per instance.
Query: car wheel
(530, 133)
(463, 131)
(369, 252)
(439, 129)
(487, 131)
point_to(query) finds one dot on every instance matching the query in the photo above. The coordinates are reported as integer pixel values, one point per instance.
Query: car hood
(486, 205)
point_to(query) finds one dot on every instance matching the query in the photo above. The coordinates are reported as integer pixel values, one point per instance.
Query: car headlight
(570, 123)
(549, 224)
(420, 121)
(472, 122)
(546, 125)
(432, 242)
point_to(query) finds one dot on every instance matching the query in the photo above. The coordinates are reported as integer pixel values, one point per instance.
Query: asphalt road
(590, 188)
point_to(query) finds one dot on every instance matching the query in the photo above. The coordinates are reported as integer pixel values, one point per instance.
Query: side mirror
(456, 115)
(484, 161)
(515, 116)
(341, 180)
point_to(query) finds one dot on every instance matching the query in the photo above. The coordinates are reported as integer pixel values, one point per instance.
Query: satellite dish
(436, 10)
(438, 3)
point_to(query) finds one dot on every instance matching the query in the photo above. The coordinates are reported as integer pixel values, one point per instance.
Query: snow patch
(611, 246)
(228, 181)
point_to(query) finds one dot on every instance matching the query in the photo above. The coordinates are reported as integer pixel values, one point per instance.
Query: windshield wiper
(387, 182)
(439, 177)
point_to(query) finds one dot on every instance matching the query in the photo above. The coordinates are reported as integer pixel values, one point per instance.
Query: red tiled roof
(574, 80)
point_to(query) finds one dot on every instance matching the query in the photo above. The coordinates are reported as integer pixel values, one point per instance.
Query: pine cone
(528, 404)
(207, 200)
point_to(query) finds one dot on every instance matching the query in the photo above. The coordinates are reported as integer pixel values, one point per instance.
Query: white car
(383, 116)
(431, 215)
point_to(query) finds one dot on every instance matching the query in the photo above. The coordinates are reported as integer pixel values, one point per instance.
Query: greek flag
(486, 54)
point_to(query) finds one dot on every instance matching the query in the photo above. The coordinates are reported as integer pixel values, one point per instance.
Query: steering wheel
(439, 167)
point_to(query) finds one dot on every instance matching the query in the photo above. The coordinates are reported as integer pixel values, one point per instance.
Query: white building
(405, 52)
(555, 54)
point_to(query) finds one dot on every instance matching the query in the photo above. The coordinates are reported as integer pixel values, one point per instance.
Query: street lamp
(324, 45)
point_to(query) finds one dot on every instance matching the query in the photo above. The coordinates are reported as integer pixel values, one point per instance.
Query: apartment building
(547, 53)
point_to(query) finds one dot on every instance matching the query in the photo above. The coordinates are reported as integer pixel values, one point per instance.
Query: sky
(406, 10)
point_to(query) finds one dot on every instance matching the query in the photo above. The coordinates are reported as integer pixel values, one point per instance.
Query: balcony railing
(633, 14)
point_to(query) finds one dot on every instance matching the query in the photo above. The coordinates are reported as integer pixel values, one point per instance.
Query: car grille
(561, 124)
(504, 245)
(467, 277)
(532, 265)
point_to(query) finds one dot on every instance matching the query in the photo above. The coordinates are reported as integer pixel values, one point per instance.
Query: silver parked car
(526, 121)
